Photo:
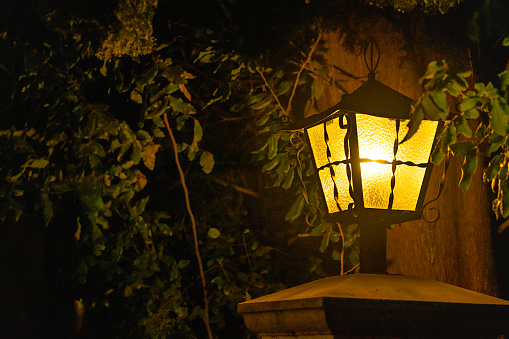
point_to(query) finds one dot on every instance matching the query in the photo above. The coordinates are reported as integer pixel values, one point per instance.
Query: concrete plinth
(376, 305)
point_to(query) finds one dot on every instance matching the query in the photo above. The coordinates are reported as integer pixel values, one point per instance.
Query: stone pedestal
(376, 305)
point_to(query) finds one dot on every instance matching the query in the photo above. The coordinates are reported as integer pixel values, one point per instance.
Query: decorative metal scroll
(371, 46)
(440, 189)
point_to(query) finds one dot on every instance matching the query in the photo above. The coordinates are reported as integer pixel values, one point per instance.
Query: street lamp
(367, 175)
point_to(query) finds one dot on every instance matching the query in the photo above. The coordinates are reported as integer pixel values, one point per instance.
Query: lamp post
(369, 177)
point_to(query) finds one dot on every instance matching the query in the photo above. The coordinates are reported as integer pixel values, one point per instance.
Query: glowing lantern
(364, 170)
(367, 175)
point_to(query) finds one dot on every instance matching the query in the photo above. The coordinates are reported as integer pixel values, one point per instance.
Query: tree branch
(271, 91)
(308, 60)
(193, 224)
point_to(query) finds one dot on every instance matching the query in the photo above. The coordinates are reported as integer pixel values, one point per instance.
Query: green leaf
(472, 113)
(143, 135)
(262, 104)
(465, 74)
(284, 87)
(505, 42)
(450, 136)
(415, 121)
(461, 149)
(493, 168)
(47, 209)
(505, 202)
(104, 69)
(324, 243)
(499, 116)
(317, 89)
(272, 147)
(198, 131)
(462, 126)
(495, 141)
(255, 98)
(37, 163)
(438, 155)
(504, 80)
(467, 169)
(289, 179)
(183, 263)
(149, 155)
(213, 233)
(136, 97)
(439, 98)
(181, 120)
(207, 162)
(468, 103)
(295, 211)
(272, 164)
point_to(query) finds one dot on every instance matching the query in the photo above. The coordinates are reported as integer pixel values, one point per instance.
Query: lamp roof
(373, 98)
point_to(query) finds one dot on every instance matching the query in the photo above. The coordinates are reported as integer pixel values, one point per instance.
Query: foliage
(431, 6)
(480, 125)
(84, 147)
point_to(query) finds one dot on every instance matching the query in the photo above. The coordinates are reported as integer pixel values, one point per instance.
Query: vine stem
(342, 248)
(193, 224)
(307, 61)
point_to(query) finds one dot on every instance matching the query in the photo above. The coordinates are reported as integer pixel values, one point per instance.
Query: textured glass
(342, 185)
(336, 140)
(328, 190)
(408, 186)
(376, 137)
(319, 148)
(376, 142)
(418, 148)
(376, 184)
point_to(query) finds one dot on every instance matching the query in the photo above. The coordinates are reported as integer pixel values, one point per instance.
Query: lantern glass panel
(336, 135)
(376, 142)
(417, 150)
(336, 141)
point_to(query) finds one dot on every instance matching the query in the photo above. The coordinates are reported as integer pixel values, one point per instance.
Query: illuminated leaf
(499, 116)
(295, 211)
(136, 97)
(493, 168)
(467, 169)
(414, 123)
(207, 162)
(288, 180)
(213, 233)
(468, 103)
(437, 156)
(37, 163)
(462, 127)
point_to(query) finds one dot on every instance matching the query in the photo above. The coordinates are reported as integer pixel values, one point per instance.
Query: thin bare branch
(307, 61)
(272, 92)
(193, 224)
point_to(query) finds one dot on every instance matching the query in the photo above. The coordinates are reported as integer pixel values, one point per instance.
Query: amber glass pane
(319, 149)
(336, 140)
(376, 142)
(408, 186)
(418, 148)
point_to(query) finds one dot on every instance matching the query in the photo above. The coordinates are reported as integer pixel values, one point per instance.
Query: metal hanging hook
(372, 48)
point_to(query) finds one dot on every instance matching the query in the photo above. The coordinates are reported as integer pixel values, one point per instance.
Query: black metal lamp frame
(372, 98)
